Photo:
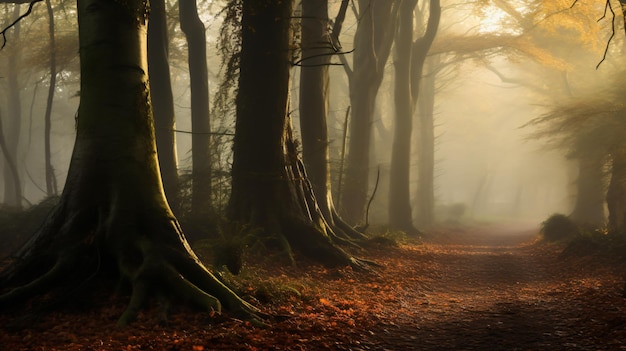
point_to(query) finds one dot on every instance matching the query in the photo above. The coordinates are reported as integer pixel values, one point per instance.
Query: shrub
(558, 227)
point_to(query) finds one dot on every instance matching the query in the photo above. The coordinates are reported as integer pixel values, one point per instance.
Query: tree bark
(425, 197)
(113, 216)
(317, 50)
(194, 30)
(13, 124)
(400, 214)
(372, 45)
(616, 193)
(590, 195)
(51, 183)
(163, 100)
(270, 188)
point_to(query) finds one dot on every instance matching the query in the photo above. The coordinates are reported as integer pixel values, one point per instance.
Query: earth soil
(489, 287)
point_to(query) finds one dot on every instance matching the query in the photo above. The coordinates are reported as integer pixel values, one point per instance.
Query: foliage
(598, 241)
(590, 124)
(558, 227)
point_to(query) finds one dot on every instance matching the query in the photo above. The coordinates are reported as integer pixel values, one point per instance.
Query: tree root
(160, 265)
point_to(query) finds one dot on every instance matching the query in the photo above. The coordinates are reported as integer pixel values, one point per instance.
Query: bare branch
(30, 9)
(607, 6)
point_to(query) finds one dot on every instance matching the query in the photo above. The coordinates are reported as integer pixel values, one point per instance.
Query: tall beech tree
(372, 44)
(193, 28)
(409, 58)
(113, 218)
(163, 99)
(317, 49)
(270, 188)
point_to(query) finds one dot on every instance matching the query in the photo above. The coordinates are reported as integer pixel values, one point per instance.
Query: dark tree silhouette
(162, 99)
(113, 218)
(270, 189)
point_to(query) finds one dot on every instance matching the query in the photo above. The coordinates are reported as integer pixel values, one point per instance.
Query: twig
(608, 43)
(4, 31)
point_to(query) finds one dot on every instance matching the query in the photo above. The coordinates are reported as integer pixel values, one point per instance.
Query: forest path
(489, 288)
(496, 288)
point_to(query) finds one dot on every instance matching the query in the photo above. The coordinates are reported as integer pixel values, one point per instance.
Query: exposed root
(62, 265)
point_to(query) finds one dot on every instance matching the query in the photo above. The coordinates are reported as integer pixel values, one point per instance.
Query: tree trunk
(163, 100)
(51, 183)
(425, 199)
(590, 195)
(400, 215)
(616, 194)
(194, 30)
(113, 216)
(13, 122)
(317, 49)
(372, 45)
(270, 189)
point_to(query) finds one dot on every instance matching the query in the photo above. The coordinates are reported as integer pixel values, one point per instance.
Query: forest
(312, 175)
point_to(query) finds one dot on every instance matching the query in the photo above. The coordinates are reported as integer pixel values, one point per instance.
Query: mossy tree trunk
(270, 189)
(163, 100)
(113, 216)
(317, 50)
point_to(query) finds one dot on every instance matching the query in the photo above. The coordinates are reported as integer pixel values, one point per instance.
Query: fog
(486, 161)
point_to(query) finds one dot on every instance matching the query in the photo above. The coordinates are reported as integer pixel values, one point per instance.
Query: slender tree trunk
(113, 217)
(51, 183)
(400, 214)
(616, 194)
(163, 100)
(194, 30)
(425, 199)
(13, 122)
(372, 45)
(590, 195)
(270, 188)
(317, 49)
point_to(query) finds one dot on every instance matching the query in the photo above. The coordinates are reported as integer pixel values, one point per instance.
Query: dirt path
(496, 289)
(489, 288)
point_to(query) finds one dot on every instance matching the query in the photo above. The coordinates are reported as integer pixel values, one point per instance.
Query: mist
(487, 164)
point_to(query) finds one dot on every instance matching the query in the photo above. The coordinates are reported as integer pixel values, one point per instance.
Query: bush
(559, 227)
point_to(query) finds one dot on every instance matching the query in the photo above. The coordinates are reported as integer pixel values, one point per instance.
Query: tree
(113, 219)
(372, 45)
(409, 63)
(162, 99)
(51, 183)
(194, 30)
(13, 123)
(317, 49)
(270, 188)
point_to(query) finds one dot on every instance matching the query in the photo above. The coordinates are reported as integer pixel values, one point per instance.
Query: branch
(608, 43)
(30, 9)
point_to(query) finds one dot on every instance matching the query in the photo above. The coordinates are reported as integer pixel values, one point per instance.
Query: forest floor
(484, 288)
